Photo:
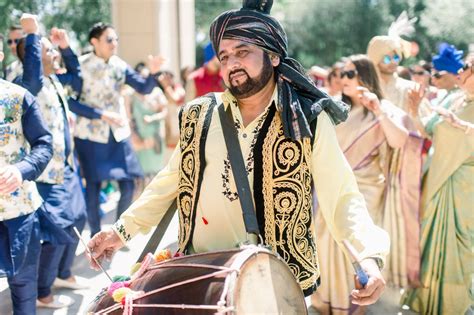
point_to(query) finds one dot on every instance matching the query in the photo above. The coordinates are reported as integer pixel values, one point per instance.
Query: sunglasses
(464, 68)
(51, 51)
(388, 59)
(438, 75)
(419, 72)
(11, 41)
(111, 39)
(351, 74)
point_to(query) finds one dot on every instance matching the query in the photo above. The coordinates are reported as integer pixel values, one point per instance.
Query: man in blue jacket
(25, 150)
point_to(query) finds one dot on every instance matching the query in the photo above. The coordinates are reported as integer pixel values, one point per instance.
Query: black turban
(299, 100)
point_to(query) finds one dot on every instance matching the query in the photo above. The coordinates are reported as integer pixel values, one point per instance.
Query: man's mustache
(236, 72)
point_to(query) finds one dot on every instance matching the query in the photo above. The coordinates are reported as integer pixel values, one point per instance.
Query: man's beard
(252, 86)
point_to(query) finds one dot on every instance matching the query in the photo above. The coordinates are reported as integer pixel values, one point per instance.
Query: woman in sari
(146, 114)
(447, 265)
(378, 147)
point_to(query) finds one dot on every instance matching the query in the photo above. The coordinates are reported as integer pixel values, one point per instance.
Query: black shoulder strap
(238, 170)
(159, 232)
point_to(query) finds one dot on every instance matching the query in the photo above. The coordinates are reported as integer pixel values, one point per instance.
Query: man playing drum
(285, 129)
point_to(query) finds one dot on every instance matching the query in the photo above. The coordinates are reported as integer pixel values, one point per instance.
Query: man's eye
(224, 58)
(242, 53)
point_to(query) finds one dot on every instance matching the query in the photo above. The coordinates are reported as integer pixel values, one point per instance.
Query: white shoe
(64, 284)
(59, 301)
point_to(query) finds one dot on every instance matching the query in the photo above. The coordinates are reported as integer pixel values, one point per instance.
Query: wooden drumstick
(361, 274)
(88, 251)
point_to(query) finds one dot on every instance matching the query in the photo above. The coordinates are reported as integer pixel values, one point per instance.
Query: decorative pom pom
(120, 293)
(120, 278)
(117, 285)
(162, 255)
(263, 6)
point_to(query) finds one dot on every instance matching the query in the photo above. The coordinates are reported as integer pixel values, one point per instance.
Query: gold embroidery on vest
(288, 202)
(193, 118)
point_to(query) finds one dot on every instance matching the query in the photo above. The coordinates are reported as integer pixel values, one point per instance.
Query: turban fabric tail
(300, 101)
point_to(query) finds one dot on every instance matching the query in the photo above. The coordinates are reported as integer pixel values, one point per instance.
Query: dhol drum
(249, 280)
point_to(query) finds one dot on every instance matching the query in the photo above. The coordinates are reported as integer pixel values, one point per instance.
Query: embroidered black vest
(282, 188)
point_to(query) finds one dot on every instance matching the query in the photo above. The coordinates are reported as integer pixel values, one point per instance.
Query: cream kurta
(341, 203)
(396, 91)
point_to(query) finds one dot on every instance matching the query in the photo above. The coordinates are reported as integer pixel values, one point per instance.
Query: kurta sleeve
(39, 138)
(32, 78)
(83, 110)
(342, 205)
(72, 77)
(140, 84)
(148, 210)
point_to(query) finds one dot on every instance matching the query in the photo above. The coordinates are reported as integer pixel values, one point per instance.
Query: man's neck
(469, 93)
(101, 57)
(47, 71)
(386, 77)
(251, 107)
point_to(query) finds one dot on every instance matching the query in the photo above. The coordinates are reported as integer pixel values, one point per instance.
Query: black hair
(15, 28)
(425, 65)
(333, 71)
(139, 66)
(97, 30)
(20, 49)
(404, 73)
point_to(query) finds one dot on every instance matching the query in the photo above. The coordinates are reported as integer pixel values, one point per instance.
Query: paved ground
(125, 258)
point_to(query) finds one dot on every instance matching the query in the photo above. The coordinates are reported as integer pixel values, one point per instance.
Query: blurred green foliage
(319, 31)
(322, 31)
(75, 15)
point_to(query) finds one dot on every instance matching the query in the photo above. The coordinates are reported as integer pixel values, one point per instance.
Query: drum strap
(239, 172)
(159, 232)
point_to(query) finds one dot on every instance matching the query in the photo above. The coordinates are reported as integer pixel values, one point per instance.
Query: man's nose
(233, 63)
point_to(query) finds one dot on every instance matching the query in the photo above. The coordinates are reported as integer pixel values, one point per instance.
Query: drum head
(266, 285)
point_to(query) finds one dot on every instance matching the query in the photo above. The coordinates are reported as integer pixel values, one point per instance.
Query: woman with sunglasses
(421, 74)
(374, 141)
(447, 235)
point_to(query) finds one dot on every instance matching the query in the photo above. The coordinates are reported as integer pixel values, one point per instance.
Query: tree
(321, 32)
(449, 21)
(77, 16)
(205, 12)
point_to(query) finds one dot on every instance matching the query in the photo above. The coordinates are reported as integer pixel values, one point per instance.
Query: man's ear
(1, 56)
(275, 60)
(94, 41)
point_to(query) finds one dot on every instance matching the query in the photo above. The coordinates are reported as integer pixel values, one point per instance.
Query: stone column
(164, 27)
